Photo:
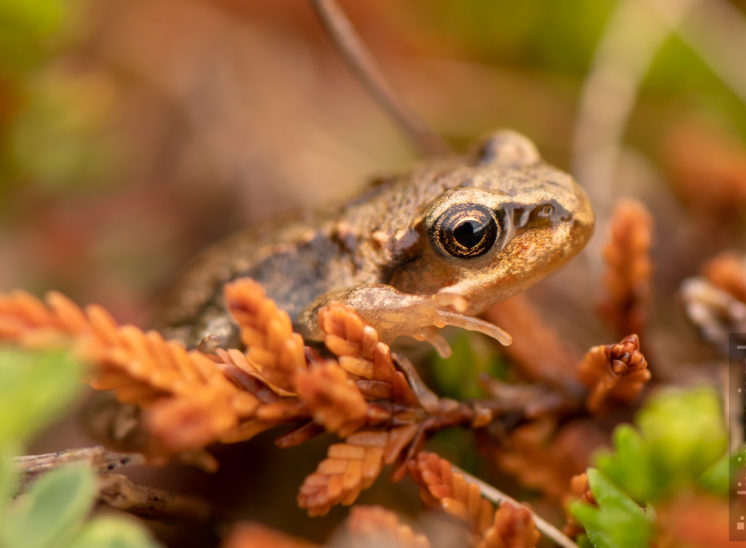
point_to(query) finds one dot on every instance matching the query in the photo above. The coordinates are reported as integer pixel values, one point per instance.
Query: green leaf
(685, 434)
(617, 522)
(680, 435)
(716, 479)
(629, 465)
(52, 510)
(113, 532)
(34, 388)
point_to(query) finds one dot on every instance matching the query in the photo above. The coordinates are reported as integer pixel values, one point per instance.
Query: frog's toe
(447, 317)
(438, 341)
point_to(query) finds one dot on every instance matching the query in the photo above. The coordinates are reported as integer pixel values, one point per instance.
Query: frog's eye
(466, 230)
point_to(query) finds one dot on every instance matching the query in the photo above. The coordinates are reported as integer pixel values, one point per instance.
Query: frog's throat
(474, 324)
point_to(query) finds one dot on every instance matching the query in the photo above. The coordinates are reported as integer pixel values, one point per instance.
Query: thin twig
(114, 489)
(120, 492)
(100, 459)
(359, 59)
(497, 496)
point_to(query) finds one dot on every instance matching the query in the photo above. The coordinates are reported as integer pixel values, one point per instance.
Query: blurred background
(133, 133)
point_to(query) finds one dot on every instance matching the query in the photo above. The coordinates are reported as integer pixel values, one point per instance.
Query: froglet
(418, 251)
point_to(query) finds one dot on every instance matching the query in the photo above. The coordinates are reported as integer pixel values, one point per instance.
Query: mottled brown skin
(382, 254)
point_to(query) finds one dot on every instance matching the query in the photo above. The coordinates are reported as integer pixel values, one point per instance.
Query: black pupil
(469, 233)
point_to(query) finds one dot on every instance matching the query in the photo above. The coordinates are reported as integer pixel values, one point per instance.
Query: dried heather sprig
(627, 278)
(613, 373)
(140, 367)
(580, 489)
(513, 527)
(538, 350)
(363, 355)
(253, 535)
(523, 454)
(267, 332)
(451, 491)
(351, 467)
(371, 526)
(716, 301)
(510, 526)
(335, 401)
(727, 271)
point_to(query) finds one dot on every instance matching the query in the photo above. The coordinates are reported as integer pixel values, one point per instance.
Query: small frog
(419, 251)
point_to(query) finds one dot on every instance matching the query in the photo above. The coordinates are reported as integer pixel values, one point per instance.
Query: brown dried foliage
(335, 401)
(363, 355)
(188, 402)
(351, 467)
(523, 454)
(695, 520)
(537, 349)
(580, 490)
(253, 535)
(627, 278)
(727, 271)
(613, 373)
(191, 399)
(700, 157)
(511, 526)
(371, 526)
(267, 332)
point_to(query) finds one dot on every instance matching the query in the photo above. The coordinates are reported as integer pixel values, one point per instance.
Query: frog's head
(503, 221)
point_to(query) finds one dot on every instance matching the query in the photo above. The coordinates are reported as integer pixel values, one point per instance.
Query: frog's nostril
(583, 218)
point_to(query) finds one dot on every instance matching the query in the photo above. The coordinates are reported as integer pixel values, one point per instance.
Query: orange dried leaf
(513, 527)
(360, 351)
(727, 272)
(613, 373)
(376, 526)
(708, 168)
(253, 535)
(451, 491)
(349, 468)
(188, 401)
(579, 489)
(627, 278)
(537, 349)
(334, 400)
(523, 454)
(267, 333)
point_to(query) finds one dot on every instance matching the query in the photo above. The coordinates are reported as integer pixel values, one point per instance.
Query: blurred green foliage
(679, 444)
(474, 359)
(617, 521)
(561, 38)
(34, 389)
(30, 31)
(51, 120)
(679, 436)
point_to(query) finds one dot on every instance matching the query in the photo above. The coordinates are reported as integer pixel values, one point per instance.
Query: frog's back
(292, 261)
(295, 260)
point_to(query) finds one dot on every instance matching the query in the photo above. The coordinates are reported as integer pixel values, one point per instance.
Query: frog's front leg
(394, 313)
